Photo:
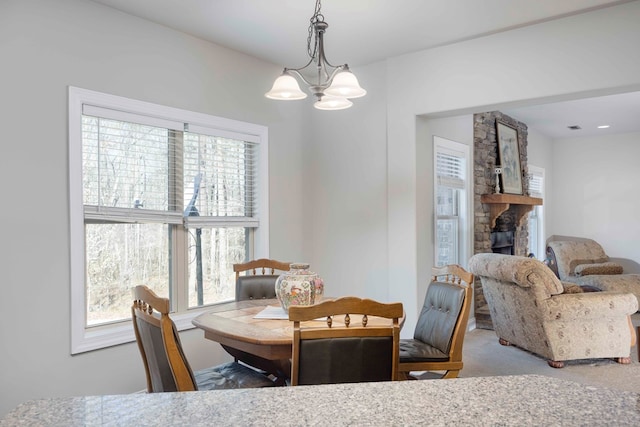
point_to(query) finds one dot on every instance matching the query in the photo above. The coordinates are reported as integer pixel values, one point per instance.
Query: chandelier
(332, 85)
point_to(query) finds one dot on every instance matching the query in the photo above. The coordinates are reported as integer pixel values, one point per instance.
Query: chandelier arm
(322, 58)
(334, 72)
(297, 72)
(301, 68)
(337, 69)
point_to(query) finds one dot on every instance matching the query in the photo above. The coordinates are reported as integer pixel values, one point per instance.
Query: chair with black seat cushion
(165, 364)
(439, 333)
(259, 280)
(256, 279)
(353, 348)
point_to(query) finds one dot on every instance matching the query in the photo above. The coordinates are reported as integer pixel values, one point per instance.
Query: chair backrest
(443, 319)
(345, 349)
(518, 291)
(529, 276)
(568, 254)
(259, 279)
(165, 364)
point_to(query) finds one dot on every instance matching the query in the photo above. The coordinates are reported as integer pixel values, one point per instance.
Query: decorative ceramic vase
(299, 286)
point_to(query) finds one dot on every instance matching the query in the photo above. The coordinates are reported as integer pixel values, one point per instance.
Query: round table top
(237, 320)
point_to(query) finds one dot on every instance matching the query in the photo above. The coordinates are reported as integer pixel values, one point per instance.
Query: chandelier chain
(317, 17)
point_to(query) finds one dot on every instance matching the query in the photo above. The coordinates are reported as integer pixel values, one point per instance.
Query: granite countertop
(521, 400)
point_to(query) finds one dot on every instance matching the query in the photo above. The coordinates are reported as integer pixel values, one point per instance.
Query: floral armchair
(530, 310)
(585, 263)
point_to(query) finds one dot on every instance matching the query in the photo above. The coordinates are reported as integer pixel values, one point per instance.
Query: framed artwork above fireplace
(509, 154)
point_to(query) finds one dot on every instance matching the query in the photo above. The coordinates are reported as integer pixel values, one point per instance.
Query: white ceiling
(621, 112)
(366, 31)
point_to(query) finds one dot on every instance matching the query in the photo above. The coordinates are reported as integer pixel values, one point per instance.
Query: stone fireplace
(500, 220)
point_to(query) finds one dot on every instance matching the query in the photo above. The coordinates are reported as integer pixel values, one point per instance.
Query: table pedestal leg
(280, 369)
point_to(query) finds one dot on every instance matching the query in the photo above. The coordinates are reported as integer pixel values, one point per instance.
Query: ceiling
(373, 30)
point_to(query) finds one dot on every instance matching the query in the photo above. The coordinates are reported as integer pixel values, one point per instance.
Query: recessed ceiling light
(603, 127)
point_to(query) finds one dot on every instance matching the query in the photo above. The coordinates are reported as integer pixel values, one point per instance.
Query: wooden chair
(345, 350)
(439, 333)
(165, 364)
(259, 280)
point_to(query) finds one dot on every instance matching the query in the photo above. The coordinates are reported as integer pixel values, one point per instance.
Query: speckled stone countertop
(522, 400)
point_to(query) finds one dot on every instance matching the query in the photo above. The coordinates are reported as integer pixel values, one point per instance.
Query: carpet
(484, 356)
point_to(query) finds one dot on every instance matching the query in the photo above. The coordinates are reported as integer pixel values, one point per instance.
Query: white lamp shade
(329, 102)
(285, 88)
(345, 85)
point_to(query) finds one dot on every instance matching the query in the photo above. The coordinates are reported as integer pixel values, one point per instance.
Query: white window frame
(466, 201)
(91, 338)
(540, 251)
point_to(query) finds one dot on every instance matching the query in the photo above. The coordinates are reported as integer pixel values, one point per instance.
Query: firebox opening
(502, 242)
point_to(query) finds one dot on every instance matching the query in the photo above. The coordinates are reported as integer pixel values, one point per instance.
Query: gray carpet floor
(484, 356)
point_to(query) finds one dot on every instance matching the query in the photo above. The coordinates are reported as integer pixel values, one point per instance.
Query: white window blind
(224, 171)
(450, 170)
(536, 183)
(137, 172)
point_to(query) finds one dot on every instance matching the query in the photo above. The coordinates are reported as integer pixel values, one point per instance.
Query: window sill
(99, 337)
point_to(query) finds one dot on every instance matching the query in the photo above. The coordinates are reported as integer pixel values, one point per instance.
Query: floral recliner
(530, 309)
(585, 263)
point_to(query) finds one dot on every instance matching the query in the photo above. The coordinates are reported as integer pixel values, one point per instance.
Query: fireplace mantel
(500, 203)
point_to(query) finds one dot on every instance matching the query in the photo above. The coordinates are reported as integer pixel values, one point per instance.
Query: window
(161, 197)
(452, 201)
(536, 216)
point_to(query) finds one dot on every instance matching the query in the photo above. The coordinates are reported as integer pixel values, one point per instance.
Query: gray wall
(345, 201)
(541, 154)
(46, 46)
(343, 184)
(596, 192)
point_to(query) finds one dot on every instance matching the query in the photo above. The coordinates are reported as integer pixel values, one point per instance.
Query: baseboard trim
(472, 324)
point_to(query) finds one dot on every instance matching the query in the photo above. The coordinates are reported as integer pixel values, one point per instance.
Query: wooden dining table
(264, 343)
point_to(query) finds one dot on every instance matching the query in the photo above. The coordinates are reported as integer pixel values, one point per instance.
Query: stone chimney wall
(485, 160)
